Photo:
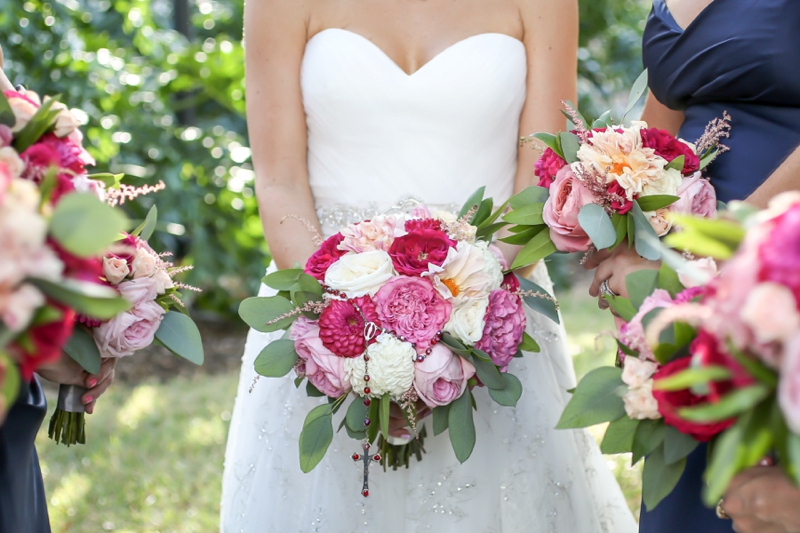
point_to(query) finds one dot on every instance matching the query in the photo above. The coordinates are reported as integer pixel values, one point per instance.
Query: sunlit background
(161, 87)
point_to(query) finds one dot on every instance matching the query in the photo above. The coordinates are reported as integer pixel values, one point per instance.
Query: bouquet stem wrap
(67, 425)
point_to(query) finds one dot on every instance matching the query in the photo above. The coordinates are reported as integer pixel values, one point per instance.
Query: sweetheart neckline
(431, 60)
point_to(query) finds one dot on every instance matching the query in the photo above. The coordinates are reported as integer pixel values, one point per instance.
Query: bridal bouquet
(714, 357)
(601, 185)
(406, 308)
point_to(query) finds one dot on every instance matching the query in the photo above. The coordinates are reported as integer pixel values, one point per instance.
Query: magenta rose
(505, 323)
(547, 167)
(567, 196)
(130, 331)
(697, 197)
(441, 377)
(413, 309)
(341, 327)
(779, 253)
(324, 369)
(417, 224)
(619, 202)
(39, 158)
(70, 153)
(328, 253)
(412, 253)
(669, 148)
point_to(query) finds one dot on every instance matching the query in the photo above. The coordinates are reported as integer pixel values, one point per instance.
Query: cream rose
(145, 263)
(771, 312)
(360, 274)
(162, 281)
(391, 368)
(66, 123)
(640, 403)
(637, 372)
(115, 269)
(659, 221)
(13, 163)
(667, 183)
(23, 111)
(468, 320)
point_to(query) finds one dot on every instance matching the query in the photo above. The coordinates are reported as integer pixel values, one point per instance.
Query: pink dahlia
(341, 327)
(505, 323)
(412, 253)
(317, 265)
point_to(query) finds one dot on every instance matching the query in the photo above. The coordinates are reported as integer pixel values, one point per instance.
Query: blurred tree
(163, 102)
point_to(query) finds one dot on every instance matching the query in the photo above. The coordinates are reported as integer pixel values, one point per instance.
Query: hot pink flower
(39, 158)
(620, 204)
(547, 166)
(510, 282)
(413, 309)
(567, 196)
(323, 369)
(505, 323)
(417, 224)
(317, 265)
(697, 197)
(779, 253)
(412, 253)
(341, 327)
(442, 377)
(73, 156)
(6, 136)
(789, 384)
(669, 148)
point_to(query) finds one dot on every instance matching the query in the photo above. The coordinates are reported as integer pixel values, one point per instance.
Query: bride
(354, 106)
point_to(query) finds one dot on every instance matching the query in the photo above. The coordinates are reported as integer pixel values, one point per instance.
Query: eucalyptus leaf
(276, 359)
(621, 306)
(179, 334)
(462, 426)
(488, 374)
(642, 230)
(283, 280)
(454, 344)
(545, 305)
(619, 436)
(258, 310)
(316, 437)
(659, 478)
(510, 394)
(85, 226)
(148, 226)
(649, 435)
(595, 399)
(637, 90)
(83, 350)
(441, 415)
(669, 281)
(570, 144)
(640, 285)
(620, 226)
(312, 391)
(598, 226)
(537, 248)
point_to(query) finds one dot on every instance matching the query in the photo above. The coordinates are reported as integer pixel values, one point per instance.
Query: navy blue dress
(23, 508)
(740, 56)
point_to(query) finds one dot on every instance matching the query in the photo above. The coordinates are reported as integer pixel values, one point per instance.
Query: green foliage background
(136, 78)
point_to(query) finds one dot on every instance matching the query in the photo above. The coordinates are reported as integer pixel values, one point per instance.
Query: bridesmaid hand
(66, 371)
(398, 425)
(614, 267)
(763, 500)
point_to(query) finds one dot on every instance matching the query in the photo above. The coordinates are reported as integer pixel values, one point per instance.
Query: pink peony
(413, 310)
(697, 197)
(342, 326)
(442, 377)
(547, 166)
(375, 234)
(633, 335)
(139, 290)
(412, 253)
(567, 196)
(668, 147)
(505, 323)
(317, 265)
(323, 369)
(130, 331)
(779, 252)
(789, 384)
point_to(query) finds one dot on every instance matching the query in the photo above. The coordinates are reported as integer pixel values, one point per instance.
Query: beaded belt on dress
(337, 216)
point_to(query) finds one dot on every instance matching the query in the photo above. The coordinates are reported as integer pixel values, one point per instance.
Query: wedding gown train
(377, 136)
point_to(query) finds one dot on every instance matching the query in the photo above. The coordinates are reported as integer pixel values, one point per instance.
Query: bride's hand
(398, 426)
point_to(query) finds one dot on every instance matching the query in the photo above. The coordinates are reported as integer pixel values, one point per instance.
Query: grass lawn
(153, 462)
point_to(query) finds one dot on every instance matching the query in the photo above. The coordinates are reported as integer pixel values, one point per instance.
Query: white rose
(493, 269)
(640, 403)
(360, 274)
(162, 281)
(144, 264)
(17, 309)
(66, 123)
(391, 368)
(115, 269)
(468, 320)
(667, 183)
(697, 273)
(636, 372)
(12, 161)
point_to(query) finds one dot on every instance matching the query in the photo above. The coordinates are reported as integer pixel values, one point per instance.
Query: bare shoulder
(265, 18)
(549, 20)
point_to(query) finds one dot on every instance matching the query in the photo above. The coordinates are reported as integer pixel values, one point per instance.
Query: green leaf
(537, 248)
(148, 226)
(485, 233)
(631, 230)
(386, 403)
(637, 90)
(84, 225)
(649, 435)
(489, 221)
(603, 121)
(39, 124)
(9, 386)
(83, 350)
(595, 400)
(793, 453)
(570, 144)
(528, 343)
(754, 367)
(540, 304)
(276, 359)
(7, 117)
(510, 394)
(111, 181)
(527, 215)
(488, 373)
(669, 281)
(90, 299)
(619, 436)
(480, 354)
(475, 199)
(462, 426)
(641, 230)
(454, 344)
(693, 376)
(530, 195)
(724, 462)
(598, 226)
(726, 231)
(730, 405)
(640, 285)
(622, 306)
(283, 280)
(676, 164)
(708, 158)
(659, 478)
(484, 212)
(551, 141)
(699, 244)
(441, 414)
(627, 351)
(258, 310)
(356, 414)
(314, 392)
(656, 201)
(521, 238)
(315, 437)
(577, 113)
(180, 335)
(374, 417)
(677, 445)
(620, 226)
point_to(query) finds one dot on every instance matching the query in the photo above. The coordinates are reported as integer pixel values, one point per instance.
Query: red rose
(418, 224)
(670, 401)
(44, 342)
(39, 158)
(318, 264)
(669, 148)
(547, 166)
(341, 327)
(70, 154)
(620, 202)
(412, 253)
(705, 350)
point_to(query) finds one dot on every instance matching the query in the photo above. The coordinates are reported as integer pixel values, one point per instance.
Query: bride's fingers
(595, 257)
(604, 271)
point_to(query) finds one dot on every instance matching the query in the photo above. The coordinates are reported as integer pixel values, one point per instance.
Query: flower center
(451, 284)
(352, 321)
(422, 256)
(619, 166)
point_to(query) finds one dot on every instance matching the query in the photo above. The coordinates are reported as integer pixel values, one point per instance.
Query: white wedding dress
(377, 136)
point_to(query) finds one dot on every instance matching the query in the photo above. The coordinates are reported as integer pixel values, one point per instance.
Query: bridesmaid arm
(275, 40)
(785, 178)
(657, 115)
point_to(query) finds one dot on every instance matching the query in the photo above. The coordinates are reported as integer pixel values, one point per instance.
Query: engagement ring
(605, 290)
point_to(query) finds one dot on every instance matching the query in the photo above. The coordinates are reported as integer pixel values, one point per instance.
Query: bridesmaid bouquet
(414, 309)
(605, 184)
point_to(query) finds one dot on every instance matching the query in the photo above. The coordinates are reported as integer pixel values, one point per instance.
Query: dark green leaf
(596, 399)
(38, 125)
(462, 426)
(179, 334)
(82, 348)
(356, 414)
(659, 478)
(84, 225)
(598, 226)
(730, 405)
(640, 285)
(440, 419)
(656, 201)
(276, 359)
(484, 212)
(90, 299)
(510, 394)
(258, 310)
(386, 403)
(487, 232)
(649, 435)
(148, 226)
(642, 230)
(637, 90)
(529, 195)
(570, 144)
(619, 436)
(283, 280)
(314, 392)
(472, 201)
(677, 445)
(488, 373)
(527, 215)
(668, 280)
(315, 437)
(522, 238)
(538, 248)
(528, 343)
(545, 305)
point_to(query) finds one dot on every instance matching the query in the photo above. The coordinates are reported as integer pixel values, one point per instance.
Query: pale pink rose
(633, 335)
(66, 122)
(130, 331)
(697, 273)
(376, 234)
(76, 137)
(139, 290)
(115, 269)
(789, 384)
(324, 369)
(14, 165)
(162, 280)
(145, 262)
(697, 197)
(421, 211)
(640, 403)
(659, 221)
(771, 312)
(17, 307)
(636, 372)
(442, 377)
(567, 196)
(23, 107)
(5, 180)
